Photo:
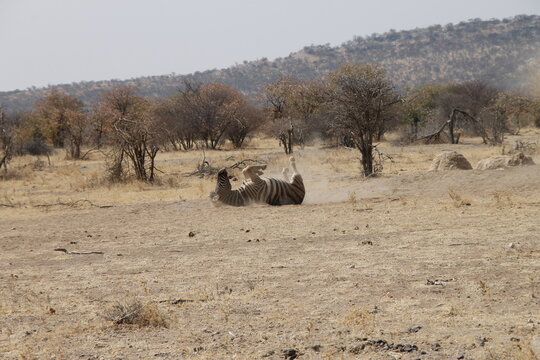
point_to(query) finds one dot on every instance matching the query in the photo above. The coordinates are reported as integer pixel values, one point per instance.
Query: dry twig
(73, 203)
(75, 252)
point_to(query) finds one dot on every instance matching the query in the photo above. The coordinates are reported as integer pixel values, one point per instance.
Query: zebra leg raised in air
(275, 191)
(285, 172)
(252, 172)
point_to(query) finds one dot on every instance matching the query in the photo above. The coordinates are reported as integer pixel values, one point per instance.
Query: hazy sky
(46, 42)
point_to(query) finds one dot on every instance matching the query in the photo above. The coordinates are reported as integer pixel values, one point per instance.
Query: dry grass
(136, 313)
(265, 280)
(361, 319)
(32, 181)
(457, 200)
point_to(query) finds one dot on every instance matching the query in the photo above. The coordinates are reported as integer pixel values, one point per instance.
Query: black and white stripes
(260, 190)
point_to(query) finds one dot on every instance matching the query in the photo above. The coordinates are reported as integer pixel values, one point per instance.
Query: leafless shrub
(361, 100)
(133, 133)
(361, 318)
(379, 159)
(136, 313)
(457, 200)
(215, 112)
(502, 198)
(6, 140)
(526, 147)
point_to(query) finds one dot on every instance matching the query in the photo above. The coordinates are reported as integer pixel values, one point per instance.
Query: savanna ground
(408, 265)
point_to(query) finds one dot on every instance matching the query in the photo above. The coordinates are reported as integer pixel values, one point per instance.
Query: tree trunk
(366, 150)
(451, 125)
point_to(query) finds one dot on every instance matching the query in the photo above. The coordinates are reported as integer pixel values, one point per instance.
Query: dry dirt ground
(410, 265)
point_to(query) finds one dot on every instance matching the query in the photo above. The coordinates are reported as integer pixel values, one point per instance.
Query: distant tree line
(353, 106)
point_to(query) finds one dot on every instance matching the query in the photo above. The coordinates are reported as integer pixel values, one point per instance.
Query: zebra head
(223, 186)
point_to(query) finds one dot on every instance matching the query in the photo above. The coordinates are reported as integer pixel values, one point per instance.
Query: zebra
(260, 190)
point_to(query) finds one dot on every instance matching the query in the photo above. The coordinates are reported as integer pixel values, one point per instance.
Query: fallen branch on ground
(243, 162)
(75, 252)
(177, 301)
(74, 203)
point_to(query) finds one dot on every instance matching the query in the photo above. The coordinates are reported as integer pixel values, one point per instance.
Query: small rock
(89, 235)
(461, 357)
(414, 329)
(248, 240)
(290, 354)
(357, 349)
(356, 228)
(119, 254)
(511, 245)
(352, 266)
(73, 242)
(247, 230)
(268, 353)
(367, 242)
(191, 234)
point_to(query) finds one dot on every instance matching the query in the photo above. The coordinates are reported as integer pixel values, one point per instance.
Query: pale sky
(48, 42)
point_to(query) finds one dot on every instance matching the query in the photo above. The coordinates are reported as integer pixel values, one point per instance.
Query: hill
(499, 51)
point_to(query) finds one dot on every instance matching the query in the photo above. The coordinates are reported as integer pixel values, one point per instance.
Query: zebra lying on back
(260, 190)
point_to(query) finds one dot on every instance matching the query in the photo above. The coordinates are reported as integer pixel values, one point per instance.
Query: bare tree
(247, 120)
(471, 97)
(64, 120)
(213, 107)
(361, 99)
(419, 106)
(6, 140)
(295, 105)
(132, 131)
(180, 129)
(277, 97)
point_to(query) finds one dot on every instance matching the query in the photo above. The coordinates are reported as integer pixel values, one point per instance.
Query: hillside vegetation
(502, 52)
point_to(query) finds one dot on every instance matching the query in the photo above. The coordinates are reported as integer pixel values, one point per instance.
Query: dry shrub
(503, 198)
(361, 318)
(352, 198)
(16, 174)
(114, 164)
(525, 147)
(38, 165)
(457, 200)
(520, 351)
(135, 313)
